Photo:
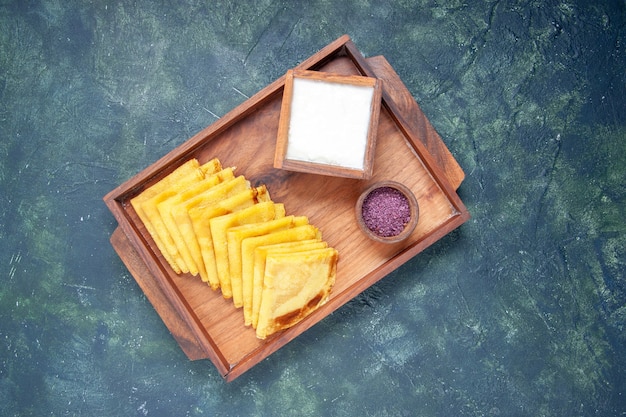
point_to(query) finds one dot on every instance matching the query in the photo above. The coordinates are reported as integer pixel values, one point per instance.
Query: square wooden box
(328, 124)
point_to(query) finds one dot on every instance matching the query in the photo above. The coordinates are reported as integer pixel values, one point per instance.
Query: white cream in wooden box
(328, 124)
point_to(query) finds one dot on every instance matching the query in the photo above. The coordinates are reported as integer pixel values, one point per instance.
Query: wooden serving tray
(408, 150)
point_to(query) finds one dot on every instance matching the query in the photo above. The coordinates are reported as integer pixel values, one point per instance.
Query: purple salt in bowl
(387, 212)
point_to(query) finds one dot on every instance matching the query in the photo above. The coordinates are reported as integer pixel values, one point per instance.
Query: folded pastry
(294, 285)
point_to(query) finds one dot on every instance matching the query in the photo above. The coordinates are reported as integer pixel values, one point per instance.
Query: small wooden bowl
(408, 227)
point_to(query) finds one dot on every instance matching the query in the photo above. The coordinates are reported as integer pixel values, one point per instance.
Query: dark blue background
(520, 312)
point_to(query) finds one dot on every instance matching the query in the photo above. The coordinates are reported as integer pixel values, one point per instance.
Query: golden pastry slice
(183, 219)
(165, 209)
(248, 246)
(201, 217)
(219, 226)
(150, 208)
(260, 255)
(235, 235)
(185, 174)
(184, 239)
(263, 212)
(294, 285)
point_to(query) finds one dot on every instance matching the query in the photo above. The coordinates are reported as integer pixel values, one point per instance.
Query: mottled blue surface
(520, 312)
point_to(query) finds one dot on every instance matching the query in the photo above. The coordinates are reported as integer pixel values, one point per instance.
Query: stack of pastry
(211, 223)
